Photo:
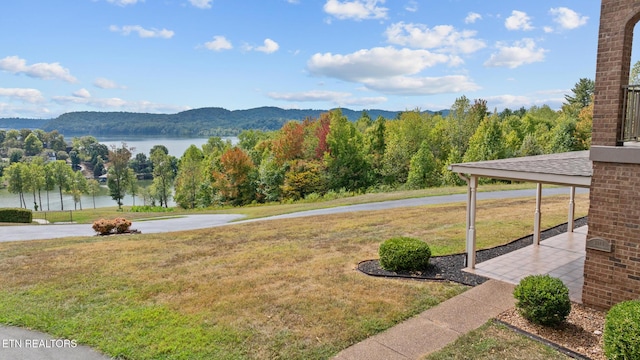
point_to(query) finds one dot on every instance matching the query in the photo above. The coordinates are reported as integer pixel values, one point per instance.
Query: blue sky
(165, 56)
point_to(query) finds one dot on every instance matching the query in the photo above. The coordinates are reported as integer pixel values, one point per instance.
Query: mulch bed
(449, 267)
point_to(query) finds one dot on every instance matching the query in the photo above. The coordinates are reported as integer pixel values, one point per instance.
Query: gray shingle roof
(570, 168)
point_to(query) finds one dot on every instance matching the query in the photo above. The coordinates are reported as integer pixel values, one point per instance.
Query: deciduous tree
(16, 176)
(163, 173)
(189, 178)
(61, 174)
(347, 165)
(235, 181)
(118, 175)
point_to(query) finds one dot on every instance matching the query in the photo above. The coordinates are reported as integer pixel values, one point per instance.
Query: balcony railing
(631, 114)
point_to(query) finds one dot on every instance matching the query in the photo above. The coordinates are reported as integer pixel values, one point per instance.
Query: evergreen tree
(582, 93)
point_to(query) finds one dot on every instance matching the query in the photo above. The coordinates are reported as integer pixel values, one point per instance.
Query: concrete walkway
(21, 344)
(433, 329)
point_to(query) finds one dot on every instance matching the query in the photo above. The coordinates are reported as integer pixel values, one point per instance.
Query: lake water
(176, 147)
(103, 200)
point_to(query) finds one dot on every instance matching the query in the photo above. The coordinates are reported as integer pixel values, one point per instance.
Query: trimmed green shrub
(622, 331)
(16, 216)
(543, 299)
(404, 253)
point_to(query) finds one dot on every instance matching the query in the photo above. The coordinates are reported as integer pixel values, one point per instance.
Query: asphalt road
(21, 344)
(191, 222)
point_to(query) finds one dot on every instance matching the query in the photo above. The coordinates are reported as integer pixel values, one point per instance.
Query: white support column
(471, 222)
(572, 209)
(538, 215)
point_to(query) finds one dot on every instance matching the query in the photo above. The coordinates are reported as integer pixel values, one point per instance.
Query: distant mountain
(19, 123)
(213, 121)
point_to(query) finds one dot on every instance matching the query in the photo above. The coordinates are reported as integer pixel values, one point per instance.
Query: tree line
(321, 156)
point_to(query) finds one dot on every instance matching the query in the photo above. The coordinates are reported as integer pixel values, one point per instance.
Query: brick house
(614, 212)
(611, 169)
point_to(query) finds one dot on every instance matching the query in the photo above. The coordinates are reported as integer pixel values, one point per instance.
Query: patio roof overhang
(572, 169)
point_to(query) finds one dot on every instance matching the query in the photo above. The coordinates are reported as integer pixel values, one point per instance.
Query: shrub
(103, 227)
(622, 331)
(543, 299)
(16, 216)
(404, 253)
(121, 225)
(148, 208)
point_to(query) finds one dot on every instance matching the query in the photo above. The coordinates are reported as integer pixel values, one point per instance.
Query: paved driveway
(190, 222)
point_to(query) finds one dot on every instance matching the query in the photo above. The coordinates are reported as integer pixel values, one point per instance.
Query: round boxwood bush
(404, 253)
(543, 299)
(622, 331)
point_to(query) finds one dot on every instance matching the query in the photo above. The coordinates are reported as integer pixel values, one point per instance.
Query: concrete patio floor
(561, 256)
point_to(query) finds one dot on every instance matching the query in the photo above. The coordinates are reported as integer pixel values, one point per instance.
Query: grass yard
(494, 341)
(282, 289)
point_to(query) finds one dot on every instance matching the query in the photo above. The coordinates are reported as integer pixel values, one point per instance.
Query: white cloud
(518, 21)
(202, 4)
(142, 32)
(314, 95)
(338, 98)
(567, 18)
(124, 2)
(472, 18)
(269, 47)
(24, 95)
(374, 63)
(103, 83)
(509, 101)
(412, 6)
(46, 71)
(356, 10)
(404, 85)
(28, 111)
(82, 93)
(117, 104)
(218, 43)
(389, 70)
(512, 101)
(547, 29)
(520, 53)
(363, 101)
(443, 37)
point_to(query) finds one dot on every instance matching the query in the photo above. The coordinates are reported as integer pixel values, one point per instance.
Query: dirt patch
(581, 332)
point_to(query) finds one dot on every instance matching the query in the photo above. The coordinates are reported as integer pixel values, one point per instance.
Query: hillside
(19, 123)
(213, 121)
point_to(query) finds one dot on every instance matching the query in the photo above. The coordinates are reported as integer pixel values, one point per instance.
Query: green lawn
(284, 289)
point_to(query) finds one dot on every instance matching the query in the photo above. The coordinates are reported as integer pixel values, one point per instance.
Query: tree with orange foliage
(289, 144)
(235, 182)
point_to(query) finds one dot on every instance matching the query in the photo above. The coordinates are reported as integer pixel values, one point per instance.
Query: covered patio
(561, 256)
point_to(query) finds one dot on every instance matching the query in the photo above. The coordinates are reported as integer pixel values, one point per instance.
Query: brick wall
(614, 212)
(614, 215)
